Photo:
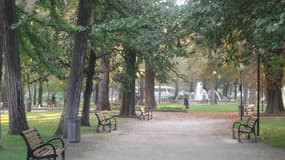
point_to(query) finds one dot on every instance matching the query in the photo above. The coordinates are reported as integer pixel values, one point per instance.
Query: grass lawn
(272, 129)
(14, 147)
(200, 107)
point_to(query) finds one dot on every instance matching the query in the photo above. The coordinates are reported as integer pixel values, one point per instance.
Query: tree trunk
(129, 86)
(96, 87)
(149, 88)
(2, 48)
(141, 90)
(40, 97)
(103, 102)
(176, 88)
(17, 115)
(225, 89)
(29, 101)
(88, 90)
(35, 94)
(72, 99)
(273, 91)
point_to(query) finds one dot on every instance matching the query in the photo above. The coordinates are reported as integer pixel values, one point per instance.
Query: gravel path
(170, 136)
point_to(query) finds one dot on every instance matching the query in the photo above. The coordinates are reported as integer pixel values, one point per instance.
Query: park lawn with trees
(40, 39)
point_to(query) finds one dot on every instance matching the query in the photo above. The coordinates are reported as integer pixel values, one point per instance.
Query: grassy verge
(14, 147)
(200, 108)
(272, 129)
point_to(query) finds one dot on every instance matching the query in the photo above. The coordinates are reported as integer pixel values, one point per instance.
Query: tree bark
(273, 90)
(88, 90)
(17, 115)
(149, 88)
(129, 90)
(40, 96)
(225, 89)
(103, 102)
(35, 94)
(72, 99)
(2, 48)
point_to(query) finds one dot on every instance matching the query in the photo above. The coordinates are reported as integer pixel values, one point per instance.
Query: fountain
(200, 94)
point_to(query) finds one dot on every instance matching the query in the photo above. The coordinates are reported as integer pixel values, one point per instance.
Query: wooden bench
(106, 119)
(38, 149)
(143, 113)
(245, 128)
(249, 109)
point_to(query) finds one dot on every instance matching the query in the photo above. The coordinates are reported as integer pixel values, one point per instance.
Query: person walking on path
(186, 103)
(53, 100)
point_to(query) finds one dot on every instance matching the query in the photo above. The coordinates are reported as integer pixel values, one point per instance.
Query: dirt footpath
(171, 136)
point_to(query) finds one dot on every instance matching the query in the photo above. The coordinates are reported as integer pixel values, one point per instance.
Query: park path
(181, 136)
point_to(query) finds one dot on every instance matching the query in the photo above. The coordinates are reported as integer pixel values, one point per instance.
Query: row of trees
(118, 36)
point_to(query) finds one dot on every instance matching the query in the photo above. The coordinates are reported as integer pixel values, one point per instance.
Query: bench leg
(98, 130)
(115, 126)
(239, 134)
(63, 155)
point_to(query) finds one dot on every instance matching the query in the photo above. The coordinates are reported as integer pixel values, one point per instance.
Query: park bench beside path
(181, 136)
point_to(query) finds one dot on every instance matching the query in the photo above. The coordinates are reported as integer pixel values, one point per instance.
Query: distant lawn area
(200, 107)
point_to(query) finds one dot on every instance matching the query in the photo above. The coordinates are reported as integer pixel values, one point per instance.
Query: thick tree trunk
(273, 91)
(72, 99)
(88, 90)
(2, 48)
(40, 97)
(103, 102)
(129, 90)
(149, 88)
(17, 115)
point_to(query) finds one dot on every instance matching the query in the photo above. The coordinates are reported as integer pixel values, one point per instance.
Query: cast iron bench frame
(105, 119)
(38, 149)
(245, 128)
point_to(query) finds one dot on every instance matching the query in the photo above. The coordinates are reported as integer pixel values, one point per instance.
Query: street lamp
(241, 68)
(214, 99)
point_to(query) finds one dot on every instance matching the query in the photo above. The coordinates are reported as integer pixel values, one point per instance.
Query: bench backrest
(32, 138)
(100, 117)
(251, 121)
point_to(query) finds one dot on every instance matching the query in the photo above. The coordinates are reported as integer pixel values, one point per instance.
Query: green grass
(200, 107)
(272, 129)
(46, 123)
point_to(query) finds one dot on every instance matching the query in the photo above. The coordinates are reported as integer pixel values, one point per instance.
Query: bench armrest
(237, 124)
(44, 146)
(56, 139)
